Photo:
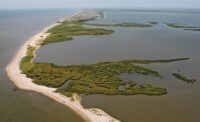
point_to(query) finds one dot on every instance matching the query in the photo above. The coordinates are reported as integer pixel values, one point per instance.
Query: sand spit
(21, 81)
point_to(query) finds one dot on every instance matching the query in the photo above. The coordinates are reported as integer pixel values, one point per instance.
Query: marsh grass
(153, 23)
(67, 30)
(26, 63)
(183, 26)
(184, 78)
(194, 29)
(121, 25)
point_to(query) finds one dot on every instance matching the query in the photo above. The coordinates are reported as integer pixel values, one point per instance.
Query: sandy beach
(21, 81)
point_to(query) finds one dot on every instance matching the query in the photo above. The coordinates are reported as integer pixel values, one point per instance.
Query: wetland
(154, 43)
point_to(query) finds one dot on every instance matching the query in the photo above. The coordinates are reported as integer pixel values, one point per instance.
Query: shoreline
(21, 81)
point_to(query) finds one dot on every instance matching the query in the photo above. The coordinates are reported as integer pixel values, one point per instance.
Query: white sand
(21, 81)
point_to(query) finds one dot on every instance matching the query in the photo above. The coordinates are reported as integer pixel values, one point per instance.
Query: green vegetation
(183, 78)
(153, 23)
(100, 78)
(155, 61)
(55, 76)
(68, 94)
(184, 27)
(121, 25)
(26, 62)
(65, 32)
(197, 29)
(176, 25)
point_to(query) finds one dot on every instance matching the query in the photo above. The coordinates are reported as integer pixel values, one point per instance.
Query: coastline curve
(21, 81)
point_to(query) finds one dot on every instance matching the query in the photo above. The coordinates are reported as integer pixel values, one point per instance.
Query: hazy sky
(99, 3)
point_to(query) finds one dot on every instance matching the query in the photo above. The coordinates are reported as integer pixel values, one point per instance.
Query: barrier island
(62, 83)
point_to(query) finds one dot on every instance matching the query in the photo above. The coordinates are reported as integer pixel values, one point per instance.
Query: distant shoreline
(21, 81)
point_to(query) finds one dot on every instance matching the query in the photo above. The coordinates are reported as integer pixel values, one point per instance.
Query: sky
(20, 4)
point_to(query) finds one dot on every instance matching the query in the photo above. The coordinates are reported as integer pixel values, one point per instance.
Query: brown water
(16, 26)
(181, 104)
